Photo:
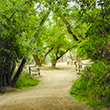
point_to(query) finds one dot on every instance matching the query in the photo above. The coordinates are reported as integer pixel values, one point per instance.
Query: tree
(96, 44)
(59, 40)
(92, 85)
(15, 26)
(14, 80)
(60, 19)
(19, 22)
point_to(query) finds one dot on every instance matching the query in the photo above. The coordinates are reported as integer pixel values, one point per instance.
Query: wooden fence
(34, 69)
(80, 65)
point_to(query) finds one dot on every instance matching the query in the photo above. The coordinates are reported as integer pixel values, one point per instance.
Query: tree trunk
(54, 64)
(1, 82)
(8, 81)
(43, 61)
(8, 67)
(37, 60)
(56, 55)
(57, 58)
(9, 74)
(14, 80)
(12, 70)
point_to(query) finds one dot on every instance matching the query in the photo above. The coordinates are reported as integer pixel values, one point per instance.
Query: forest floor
(51, 94)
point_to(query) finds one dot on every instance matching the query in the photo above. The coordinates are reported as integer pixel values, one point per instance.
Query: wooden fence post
(29, 70)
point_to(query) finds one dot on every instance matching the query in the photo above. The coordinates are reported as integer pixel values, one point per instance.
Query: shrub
(25, 80)
(93, 86)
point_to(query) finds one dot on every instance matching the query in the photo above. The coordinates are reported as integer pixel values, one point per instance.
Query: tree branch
(18, 8)
(46, 55)
(41, 24)
(66, 52)
(62, 55)
(48, 52)
(69, 29)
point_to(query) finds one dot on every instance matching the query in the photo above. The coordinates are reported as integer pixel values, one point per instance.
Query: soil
(51, 94)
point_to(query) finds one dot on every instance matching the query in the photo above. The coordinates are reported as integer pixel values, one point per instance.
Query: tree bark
(56, 55)
(57, 58)
(54, 64)
(9, 74)
(1, 82)
(43, 61)
(16, 77)
(12, 70)
(37, 60)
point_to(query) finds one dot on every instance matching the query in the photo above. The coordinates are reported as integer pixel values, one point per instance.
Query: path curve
(50, 94)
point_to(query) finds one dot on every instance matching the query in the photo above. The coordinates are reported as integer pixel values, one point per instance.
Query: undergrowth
(93, 86)
(26, 80)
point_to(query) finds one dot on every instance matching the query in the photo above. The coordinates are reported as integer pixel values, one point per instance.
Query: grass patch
(93, 86)
(26, 80)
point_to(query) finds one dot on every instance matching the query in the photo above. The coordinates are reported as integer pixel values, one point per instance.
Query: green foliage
(96, 44)
(93, 86)
(91, 48)
(17, 25)
(56, 36)
(26, 80)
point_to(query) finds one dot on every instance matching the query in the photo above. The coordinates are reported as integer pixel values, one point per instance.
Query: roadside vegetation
(26, 80)
(93, 86)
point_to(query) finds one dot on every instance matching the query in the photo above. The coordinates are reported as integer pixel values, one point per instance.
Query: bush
(93, 86)
(25, 80)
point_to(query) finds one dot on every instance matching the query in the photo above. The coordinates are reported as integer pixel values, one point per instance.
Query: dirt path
(50, 94)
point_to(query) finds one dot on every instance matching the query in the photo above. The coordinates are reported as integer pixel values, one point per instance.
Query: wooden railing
(34, 69)
(80, 65)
